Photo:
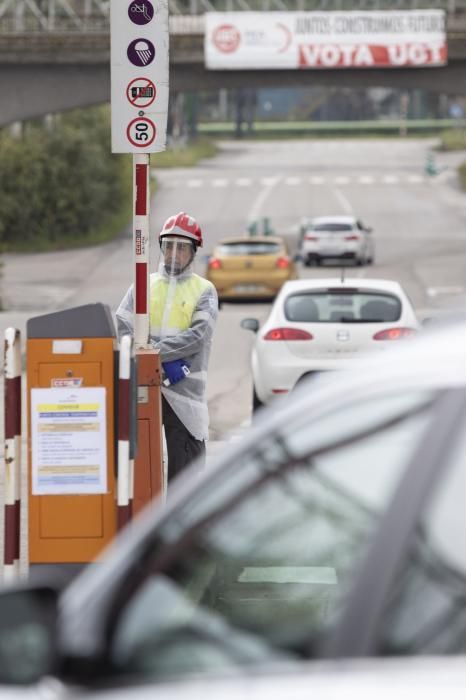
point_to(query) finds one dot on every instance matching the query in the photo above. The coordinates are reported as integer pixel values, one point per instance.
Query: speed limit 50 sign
(139, 75)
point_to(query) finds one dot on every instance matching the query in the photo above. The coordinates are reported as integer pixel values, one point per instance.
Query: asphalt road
(419, 227)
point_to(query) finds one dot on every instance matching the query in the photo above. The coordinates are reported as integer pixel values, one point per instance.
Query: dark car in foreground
(334, 530)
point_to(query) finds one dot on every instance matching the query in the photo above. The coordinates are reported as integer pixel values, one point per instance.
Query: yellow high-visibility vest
(185, 299)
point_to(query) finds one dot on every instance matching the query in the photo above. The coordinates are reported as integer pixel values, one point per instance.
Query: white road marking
(436, 291)
(255, 211)
(343, 200)
(293, 181)
(269, 181)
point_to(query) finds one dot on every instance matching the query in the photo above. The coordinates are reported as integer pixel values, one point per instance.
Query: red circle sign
(226, 38)
(141, 132)
(141, 92)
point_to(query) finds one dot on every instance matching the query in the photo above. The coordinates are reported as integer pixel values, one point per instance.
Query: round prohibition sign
(141, 132)
(141, 92)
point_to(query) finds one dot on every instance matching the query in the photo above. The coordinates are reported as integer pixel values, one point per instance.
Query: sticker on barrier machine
(69, 441)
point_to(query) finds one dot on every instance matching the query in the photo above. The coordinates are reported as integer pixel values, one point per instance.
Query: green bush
(60, 187)
(453, 140)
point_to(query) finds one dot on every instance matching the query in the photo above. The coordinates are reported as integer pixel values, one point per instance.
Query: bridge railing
(18, 16)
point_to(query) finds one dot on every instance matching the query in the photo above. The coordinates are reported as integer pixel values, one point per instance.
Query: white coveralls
(183, 311)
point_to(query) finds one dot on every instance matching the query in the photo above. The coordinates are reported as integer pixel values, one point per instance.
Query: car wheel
(256, 402)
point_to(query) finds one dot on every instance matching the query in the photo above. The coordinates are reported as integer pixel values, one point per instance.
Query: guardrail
(332, 128)
(24, 16)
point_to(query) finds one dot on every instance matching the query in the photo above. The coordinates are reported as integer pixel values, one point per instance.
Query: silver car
(335, 529)
(336, 237)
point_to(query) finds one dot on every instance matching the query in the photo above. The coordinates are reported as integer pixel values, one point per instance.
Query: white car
(341, 237)
(323, 324)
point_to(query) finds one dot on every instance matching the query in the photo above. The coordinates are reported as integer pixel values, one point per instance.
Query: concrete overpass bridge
(55, 54)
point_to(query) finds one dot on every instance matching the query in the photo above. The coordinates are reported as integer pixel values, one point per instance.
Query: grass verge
(452, 140)
(462, 175)
(185, 156)
(332, 129)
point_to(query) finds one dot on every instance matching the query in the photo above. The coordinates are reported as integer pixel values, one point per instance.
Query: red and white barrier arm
(12, 406)
(124, 485)
(141, 197)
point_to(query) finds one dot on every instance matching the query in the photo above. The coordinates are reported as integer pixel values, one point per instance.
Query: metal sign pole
(141, 198)
(139, 87)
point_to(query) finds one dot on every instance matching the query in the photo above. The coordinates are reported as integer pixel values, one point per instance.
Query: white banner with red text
(325, 40)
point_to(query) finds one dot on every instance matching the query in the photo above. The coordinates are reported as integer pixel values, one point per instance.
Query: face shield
(177, 255)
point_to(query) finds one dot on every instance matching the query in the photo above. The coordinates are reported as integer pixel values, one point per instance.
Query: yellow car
(249, 268)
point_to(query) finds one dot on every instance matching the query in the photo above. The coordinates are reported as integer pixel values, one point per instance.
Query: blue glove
(175, 371)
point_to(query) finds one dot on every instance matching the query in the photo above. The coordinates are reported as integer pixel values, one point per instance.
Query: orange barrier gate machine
(72, 379)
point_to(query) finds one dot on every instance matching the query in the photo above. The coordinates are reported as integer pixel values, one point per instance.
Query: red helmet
(182, 225)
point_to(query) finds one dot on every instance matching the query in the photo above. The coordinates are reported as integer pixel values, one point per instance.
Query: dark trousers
(182, 447)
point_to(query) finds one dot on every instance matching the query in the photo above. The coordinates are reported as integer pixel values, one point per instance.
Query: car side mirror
(427, 321)
(28, 634)
(297, 257)
(250, 324)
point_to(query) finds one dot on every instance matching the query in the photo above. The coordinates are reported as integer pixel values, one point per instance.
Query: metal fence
(93, 15)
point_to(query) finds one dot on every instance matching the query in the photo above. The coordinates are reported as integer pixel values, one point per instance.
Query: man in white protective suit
(183, 309)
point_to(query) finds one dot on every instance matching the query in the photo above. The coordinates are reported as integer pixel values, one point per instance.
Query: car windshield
(336, 306)
(255, 565)
(331, 227)
(247, 248)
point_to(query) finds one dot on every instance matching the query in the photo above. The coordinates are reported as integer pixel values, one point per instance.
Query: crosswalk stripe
(269, 181)
(292, 181)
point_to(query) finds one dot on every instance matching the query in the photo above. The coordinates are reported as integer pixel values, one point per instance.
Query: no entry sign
(139, 72)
